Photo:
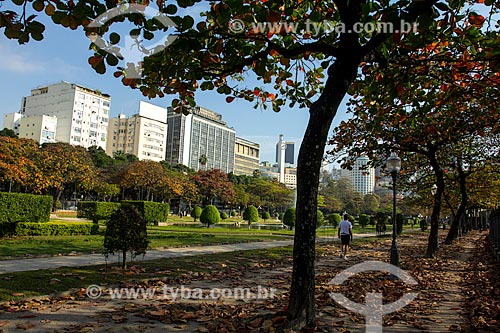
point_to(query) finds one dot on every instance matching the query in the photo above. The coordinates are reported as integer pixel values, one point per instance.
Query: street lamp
(394, 166)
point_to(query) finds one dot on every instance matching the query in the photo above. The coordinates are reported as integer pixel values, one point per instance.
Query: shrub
(152, 212)
(196, 212)
(223, 216)
(95, 210)
(334, 219)
(21, 207)
(126, 232)
(210, 215)
(234, 213)
(423, 224)
(381, 218)
(364, 220)
(320, 219)
(266, 216)
(55, 228)
(289, 218)
(400, 219)
(251, 214)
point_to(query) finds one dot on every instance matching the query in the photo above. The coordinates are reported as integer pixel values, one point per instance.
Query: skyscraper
(200, 136)
(363, 176)
(289, 148)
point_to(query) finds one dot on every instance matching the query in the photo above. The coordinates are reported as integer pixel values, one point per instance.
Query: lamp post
(394, 166)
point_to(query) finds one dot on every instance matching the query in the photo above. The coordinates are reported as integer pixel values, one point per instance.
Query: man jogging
(345, 235)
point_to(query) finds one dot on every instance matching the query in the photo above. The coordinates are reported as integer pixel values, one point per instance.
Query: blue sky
(63, 54)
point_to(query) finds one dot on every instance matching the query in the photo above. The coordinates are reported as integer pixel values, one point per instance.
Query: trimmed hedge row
(152, 212)
(95, 210)
(21, 207)
(52, 229)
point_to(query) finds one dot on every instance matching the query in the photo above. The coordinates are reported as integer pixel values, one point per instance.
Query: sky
(62, 56)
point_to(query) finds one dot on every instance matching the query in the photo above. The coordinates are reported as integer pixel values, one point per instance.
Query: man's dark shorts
(345, 239)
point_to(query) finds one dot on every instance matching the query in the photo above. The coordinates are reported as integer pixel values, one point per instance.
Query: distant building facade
(246, 157)
(143, 135)
(202, 133)
(284, 156)
(82, 113)
(363, 176)
(41, 128)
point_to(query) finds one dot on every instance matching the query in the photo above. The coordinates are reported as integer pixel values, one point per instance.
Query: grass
(38, 283)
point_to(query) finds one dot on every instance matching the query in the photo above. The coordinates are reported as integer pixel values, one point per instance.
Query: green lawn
(38, 283)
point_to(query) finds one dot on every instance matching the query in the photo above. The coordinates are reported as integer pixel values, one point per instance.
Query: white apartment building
(41, 128)
(363, 176)
(201, 133)
(82, 113)
(143, 135)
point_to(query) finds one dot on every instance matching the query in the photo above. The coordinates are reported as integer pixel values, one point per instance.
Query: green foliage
(423, 224)
(126, 232)
(364, 220)
(266, 216)
(152, 212)
(196, 212)
(320, 219)
(289, 218)
(210, 215)
(334, 219)
(351, 219)
(381, 218)
(55, 229)
(251, 214)
(20, 207)
(223, 216)
(8, 132)
(234, 213)
(95, 210)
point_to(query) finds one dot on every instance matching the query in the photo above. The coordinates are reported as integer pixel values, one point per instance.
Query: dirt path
(436, 309)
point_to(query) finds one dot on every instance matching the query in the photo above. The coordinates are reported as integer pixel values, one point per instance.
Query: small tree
(320, 219)
(266, 216)
(223, 216)
(251, 214)
(126, 231)
(196, 212)
(289, 218)
(210, 215)
(400, 219)
(334, 219)
(423, 224)
(234, 213)
(364, 220)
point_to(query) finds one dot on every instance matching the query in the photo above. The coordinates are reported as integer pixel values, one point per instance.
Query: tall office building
(246, 157)
(143, 135)
(363, 176)
(82, 113)
(200, 134)
(284, 155)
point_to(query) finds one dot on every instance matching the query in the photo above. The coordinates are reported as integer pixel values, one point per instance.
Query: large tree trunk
(301, 307)
(433, 244)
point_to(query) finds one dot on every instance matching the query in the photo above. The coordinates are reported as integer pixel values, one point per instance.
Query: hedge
(152, 212)
(21, 207)
(55, 228)
(95, 210)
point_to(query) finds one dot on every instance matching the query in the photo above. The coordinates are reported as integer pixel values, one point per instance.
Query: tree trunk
(124, 259)
(301, 307)
(433, 244)
(453, 233)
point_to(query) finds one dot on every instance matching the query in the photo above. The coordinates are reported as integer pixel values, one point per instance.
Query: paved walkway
(31, 264)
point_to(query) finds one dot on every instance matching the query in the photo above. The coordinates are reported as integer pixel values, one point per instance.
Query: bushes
(196, 212)
(20, 207)
(320, 219)
(289, 218)
(55, 229)
(334, 219)
(152, 212)
(423, 224)
(210, 215)
(223, 216)
(364, 220)
(95, 211)
(251, 214)
(266, 216)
